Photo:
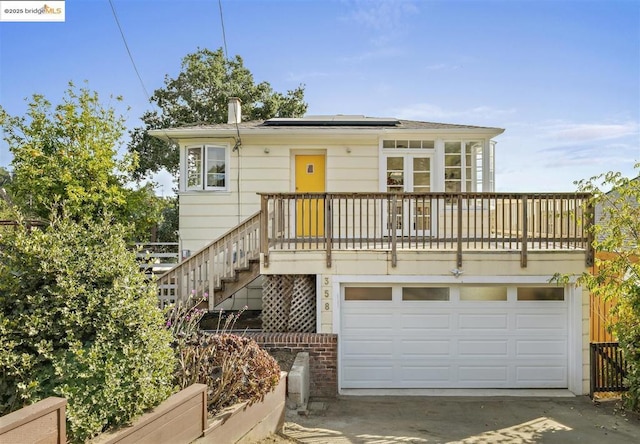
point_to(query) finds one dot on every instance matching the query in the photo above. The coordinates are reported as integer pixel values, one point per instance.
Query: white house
(388, 234)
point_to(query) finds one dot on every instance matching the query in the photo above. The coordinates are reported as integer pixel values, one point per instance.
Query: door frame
(305, 152)
(407, 213)
(294, 154)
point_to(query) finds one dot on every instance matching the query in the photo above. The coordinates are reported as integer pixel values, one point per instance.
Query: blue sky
(562, 77)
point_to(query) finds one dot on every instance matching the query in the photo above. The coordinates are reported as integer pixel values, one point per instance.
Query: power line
(113, 9)
(224, 35)
(238, 143)
(226, 56)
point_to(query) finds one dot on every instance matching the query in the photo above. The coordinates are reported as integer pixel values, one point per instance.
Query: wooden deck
(459, 222)
(433, 221)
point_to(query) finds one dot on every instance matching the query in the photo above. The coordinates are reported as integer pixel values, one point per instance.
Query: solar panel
(337, 120)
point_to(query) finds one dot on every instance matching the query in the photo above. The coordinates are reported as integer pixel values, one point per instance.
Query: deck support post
(264, 229)
(459, 241)
(525, 234)
(394, 230)
(328, 231)
(589, 223)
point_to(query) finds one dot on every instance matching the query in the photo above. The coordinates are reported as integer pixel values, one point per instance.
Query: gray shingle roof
(402, 124)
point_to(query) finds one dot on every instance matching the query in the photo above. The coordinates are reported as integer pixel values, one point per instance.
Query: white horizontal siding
(205, 215)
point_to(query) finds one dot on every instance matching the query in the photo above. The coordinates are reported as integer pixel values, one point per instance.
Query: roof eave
(198, 133)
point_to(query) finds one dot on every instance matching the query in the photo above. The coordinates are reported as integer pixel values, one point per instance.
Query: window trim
(204, 156)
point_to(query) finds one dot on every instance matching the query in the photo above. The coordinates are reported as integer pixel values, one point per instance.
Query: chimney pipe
(235, 114)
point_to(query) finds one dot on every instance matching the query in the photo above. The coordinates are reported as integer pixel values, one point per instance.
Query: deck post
(394, 230)
(264, 229)
(328, 232)
(459, 242)
(525, 234)
(588, 226)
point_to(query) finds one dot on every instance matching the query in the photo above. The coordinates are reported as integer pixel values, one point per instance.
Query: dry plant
(234, 368)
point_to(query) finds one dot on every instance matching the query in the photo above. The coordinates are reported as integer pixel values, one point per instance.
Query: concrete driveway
(390, 420)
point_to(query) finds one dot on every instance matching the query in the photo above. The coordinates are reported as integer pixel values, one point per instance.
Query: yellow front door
(310, 178)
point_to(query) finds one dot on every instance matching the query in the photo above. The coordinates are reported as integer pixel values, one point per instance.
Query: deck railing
(157, 257)
(204, 271)
(412, 221)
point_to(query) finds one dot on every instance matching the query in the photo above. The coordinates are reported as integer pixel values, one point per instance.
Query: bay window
(207, 167)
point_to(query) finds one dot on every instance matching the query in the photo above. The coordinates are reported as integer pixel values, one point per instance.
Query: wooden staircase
(220, 269)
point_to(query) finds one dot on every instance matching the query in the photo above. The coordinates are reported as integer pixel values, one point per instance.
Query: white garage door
(453, 337)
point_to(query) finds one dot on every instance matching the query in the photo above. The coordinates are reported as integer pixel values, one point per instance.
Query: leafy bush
(234, 368)
(78, 320)
(616, 277)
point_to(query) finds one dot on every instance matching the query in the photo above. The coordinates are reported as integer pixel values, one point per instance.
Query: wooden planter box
(180, 419)
(249, 423)
(42, 422)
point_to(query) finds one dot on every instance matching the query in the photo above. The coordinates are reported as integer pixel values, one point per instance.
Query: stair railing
(204, 272)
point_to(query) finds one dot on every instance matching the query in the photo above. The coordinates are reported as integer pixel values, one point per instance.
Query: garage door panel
(425, 322)
(497, 348)
(483, 321)
(550, 347)
(411, 348)
(542, 321)
(367, 374)
(535, 375)
(382, 321)
(419, 375)
(369, 347)
(482, 374)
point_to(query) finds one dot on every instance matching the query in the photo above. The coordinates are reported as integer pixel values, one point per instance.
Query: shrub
(78, 320)
(234, 368)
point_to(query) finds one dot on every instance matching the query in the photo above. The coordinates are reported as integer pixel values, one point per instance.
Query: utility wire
(238, 143)
(224, 35)
(113, 9)
(135, 68)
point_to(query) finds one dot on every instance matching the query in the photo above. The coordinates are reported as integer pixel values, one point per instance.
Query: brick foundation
(323, 356)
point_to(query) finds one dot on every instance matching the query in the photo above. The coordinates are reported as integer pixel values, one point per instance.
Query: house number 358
(326, 306)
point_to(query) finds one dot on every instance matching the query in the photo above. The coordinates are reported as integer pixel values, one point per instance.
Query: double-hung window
(207, 167)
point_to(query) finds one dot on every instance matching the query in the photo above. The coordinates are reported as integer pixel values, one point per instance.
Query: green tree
(616, 276)
(200, 94)
(65, 160)
(79, 321)
(168, 226)
(6, 206)
(5, 177)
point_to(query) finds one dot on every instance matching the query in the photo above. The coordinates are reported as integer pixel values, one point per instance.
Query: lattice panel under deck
(276, 302)
(302, 317)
